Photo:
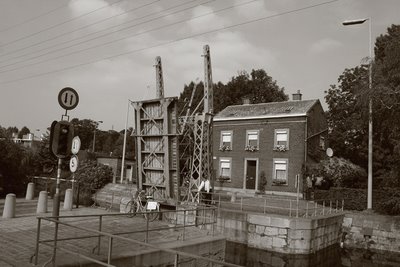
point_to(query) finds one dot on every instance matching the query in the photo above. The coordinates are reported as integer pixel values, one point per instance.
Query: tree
(348, 111)
(12, 168)
(259, 87)
(24, 131)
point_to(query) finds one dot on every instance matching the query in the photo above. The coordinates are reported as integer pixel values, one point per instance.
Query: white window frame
(225, 160)
(248, 132)
(221, 146)
(276, 132)
(276, 161)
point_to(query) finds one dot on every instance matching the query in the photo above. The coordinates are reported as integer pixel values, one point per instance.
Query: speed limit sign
(73, 164)
(68, 98)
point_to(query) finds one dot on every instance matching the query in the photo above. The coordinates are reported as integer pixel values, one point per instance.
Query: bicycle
(149, 210)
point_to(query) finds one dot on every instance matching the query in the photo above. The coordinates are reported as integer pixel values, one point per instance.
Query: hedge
(384, 201)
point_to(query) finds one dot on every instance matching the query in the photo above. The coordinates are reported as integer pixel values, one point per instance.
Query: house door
(251, 174)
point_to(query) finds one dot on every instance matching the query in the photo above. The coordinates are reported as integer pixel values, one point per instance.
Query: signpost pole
(56, 198)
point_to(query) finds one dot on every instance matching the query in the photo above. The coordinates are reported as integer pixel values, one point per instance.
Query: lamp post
(94, 134)
(349, 23)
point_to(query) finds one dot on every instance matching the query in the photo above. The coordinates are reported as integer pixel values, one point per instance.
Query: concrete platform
(18, 238)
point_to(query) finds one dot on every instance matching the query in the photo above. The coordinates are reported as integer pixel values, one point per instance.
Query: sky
(106, 50)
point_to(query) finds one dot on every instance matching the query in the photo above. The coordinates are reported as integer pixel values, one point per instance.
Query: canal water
(333, 256)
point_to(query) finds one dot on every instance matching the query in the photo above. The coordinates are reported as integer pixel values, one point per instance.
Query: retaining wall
(281, 233)
(371, 231)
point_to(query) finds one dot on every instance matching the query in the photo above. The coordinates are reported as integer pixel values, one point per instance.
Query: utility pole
(159, 79)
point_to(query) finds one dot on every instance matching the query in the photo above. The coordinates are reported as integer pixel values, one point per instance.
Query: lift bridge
(174, 151)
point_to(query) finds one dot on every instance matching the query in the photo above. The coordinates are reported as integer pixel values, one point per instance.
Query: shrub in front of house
(384, 201)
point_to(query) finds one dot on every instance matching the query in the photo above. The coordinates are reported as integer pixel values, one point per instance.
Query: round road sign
(76, 145)
(73, 163)
(329, 152)
(68, 98)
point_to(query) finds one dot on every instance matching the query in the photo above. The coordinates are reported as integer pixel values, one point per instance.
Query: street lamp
(94, 133)
(349, 23)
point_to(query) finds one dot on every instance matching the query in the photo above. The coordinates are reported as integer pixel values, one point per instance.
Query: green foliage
(92, 176)
(13, 168)
(340, 173)
(348, 111)
(385, 200)
(257, 86)
(392, 205)
(25, 130)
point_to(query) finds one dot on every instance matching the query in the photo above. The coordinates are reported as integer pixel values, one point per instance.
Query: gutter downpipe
(305, 152)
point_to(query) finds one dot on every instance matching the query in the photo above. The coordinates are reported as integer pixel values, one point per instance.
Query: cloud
(323, 45)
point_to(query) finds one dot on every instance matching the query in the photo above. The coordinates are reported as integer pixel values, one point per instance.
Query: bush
(339, 172)
(91, 177)
(384, 201)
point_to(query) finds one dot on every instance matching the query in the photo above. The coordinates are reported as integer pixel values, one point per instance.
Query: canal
(333, 256)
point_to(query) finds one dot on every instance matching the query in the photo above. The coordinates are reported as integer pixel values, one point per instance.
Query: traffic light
(61, 136)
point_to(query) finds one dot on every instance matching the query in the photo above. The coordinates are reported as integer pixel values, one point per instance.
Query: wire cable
(59, 24)
(75, 30)
(123, 38)
(171, 41)
(32, 19)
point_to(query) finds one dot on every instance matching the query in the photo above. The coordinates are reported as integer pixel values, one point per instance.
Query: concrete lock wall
(280, 233)
(371, 231)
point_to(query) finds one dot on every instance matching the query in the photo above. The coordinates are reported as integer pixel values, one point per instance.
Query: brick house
(264, 146)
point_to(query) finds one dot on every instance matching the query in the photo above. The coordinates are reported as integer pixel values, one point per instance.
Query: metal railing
(183, 219)
(275, 205)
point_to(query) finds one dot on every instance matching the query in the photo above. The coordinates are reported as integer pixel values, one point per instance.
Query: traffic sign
(73, 163)
(76, 145)
(68, 98)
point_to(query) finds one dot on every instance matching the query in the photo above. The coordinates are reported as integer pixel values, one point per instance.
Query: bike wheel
(151, 215)
(131, 208)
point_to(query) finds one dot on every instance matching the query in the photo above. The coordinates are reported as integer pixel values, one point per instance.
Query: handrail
(117, 236)
(291, 207)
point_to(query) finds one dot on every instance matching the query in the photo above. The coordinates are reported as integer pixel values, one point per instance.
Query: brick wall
(266, 152)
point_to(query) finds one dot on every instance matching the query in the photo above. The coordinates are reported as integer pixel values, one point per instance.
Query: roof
(266, 110)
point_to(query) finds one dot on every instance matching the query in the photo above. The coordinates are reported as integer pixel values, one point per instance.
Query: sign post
(62, 133)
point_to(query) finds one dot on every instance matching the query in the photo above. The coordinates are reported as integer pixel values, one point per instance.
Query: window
(251, 140)
(281, 141)
(280, 171)
(226, 141)
(322, 142)
(225, 167)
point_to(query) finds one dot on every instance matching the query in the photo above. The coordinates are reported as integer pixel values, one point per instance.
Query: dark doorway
(251, 174)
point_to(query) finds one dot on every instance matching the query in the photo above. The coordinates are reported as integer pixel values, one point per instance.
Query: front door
(251, 174)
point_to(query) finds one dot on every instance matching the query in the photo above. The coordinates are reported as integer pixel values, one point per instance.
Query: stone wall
(280, 233)
(371, 231)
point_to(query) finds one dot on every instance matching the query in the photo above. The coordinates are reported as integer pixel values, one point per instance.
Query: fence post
(37, 241)
(77, 195)
(147, 229)
(184, 224)
(342, 204)
(290, 208)
(315, 208)
(176, 264)
(241, 203)
(337, 203)
(323, 207)
(330, 206)
(307, 210)
(213, 221)
(265, 204)
(55, 242)
(110, 241)
(99, 239)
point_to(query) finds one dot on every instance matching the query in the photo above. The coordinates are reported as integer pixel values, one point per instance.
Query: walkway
(18, 235)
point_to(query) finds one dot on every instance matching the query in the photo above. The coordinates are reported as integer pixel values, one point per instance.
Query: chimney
(246, 100)
(297, 96)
